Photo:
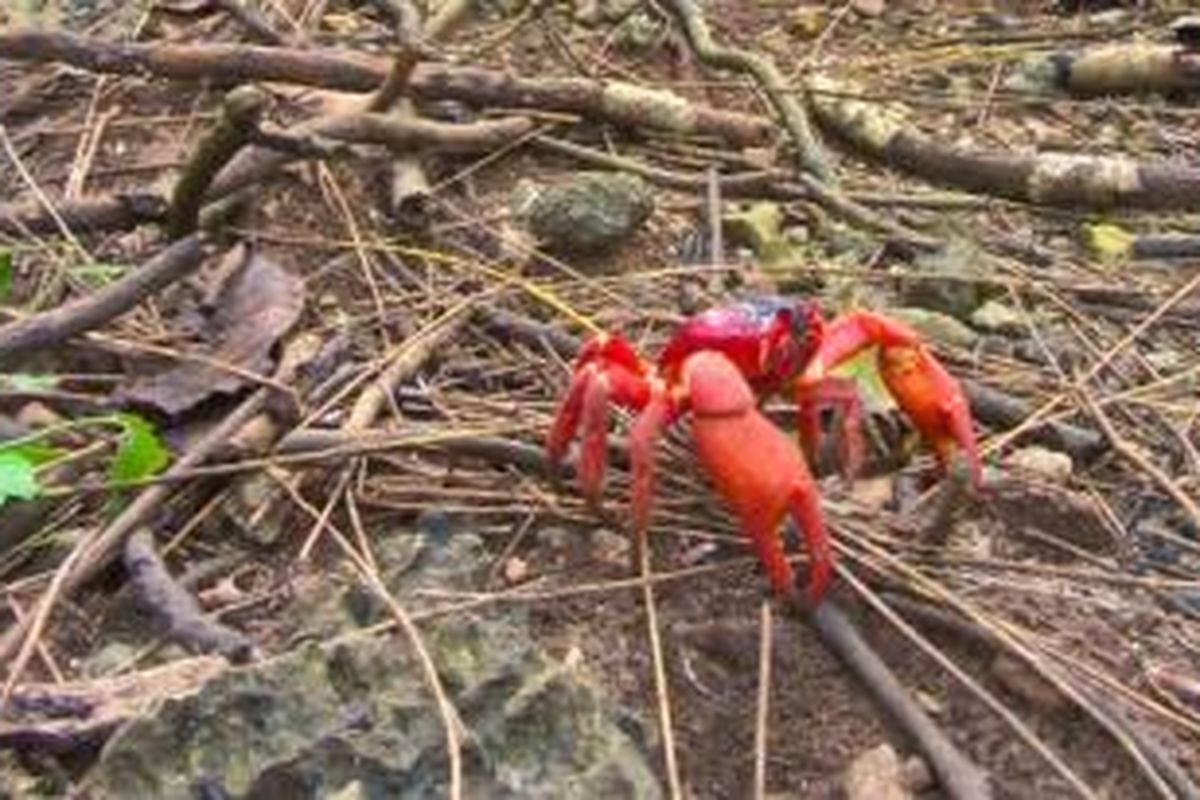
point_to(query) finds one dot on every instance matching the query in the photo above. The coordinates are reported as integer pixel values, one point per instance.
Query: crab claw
(608, 371)
(935, 403)
(757, 469)
(928, 395)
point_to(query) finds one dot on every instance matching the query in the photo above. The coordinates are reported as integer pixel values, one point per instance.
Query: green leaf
(6, 275)
(864, 370)
(140, 454)
(17, 480)
(35, 452)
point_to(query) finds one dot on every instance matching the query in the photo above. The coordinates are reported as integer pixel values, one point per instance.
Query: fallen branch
(1002, 410)
(881, 132)
(397, 134)
(620, 103)
(102, 546)
(239, 119)
(959, 777)
(1128, 68)
(119, 212)
(1163, 767)
(185, 621)
(50, 328)
(809, 154)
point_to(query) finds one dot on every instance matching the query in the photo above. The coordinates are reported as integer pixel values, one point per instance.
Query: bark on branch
(620, 103)
(881, 132)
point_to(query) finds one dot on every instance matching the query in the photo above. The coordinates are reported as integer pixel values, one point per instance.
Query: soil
(1089, 602)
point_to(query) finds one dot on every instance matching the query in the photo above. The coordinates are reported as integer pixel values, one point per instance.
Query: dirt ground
(1089, 592)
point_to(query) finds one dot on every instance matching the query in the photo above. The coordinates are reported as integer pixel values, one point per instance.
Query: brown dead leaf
(253, 308)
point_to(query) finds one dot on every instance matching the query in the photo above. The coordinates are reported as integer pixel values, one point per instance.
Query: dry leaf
(254, 307)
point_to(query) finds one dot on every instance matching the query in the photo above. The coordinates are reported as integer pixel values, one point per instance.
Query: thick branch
(182, 616)
(881, 132)
(960, 778)
(239, 119)
(229, 64)
(763, 70)
(400, 135)
(119, 212)
(53, 327)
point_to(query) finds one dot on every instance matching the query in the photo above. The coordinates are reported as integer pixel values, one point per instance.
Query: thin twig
(660, 671)
(1133, 454)
(49, 328)
(1014, 722)
(96, 551)
(762, 713)
(809, 154)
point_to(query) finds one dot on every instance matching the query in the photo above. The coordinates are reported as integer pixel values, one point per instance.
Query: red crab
(717, 366)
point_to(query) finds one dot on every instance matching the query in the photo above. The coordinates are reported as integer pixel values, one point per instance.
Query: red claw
(757, 470)
(928, 395)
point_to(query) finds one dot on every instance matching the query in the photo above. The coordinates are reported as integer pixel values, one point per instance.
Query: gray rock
(591, 214)
(876, 775)
(1050, 464)
(996, 317)
(953, 285)
(936, 327)
(351, 715)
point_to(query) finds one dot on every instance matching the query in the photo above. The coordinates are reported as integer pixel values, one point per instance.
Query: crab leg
(842, 393)
(608, 372)
(643, 440)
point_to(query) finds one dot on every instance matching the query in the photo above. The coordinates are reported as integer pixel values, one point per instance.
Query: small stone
(996, 317)
(1107, 243)
(760, 227)
(37, 415)
(918, 777)
(593, 213)
(876, 775)
(868, 8)
(638, 33)
(555, 537)
(953, 282)
(516, 570)
(937, 327)
(1046, 463)
(807, 22)
(1165, 360)
(610, 547)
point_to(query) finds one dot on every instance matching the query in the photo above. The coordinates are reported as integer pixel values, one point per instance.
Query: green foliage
(864, 370)
(17, 478)
(140, 454)
(6, 275)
